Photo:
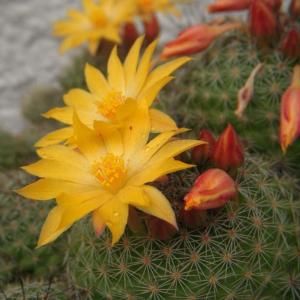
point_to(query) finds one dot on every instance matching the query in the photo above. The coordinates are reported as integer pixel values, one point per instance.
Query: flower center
(110, 171)
(98, 18)
(109, 106)
(146, 6)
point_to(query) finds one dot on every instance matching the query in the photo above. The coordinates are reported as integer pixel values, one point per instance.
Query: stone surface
(28, 53)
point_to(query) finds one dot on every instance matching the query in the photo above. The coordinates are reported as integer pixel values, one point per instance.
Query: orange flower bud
(291, 44)
(212, 189)
(290, 112)
(246, 93)
(196, 39)
(203, 152)
(228, 5)
(130, 34)
(228, 153)
(152, 28)
(295, 8)
(262, 19)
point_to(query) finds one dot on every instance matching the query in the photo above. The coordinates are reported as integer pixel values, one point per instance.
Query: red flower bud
(228, 153)
(152, 28)
(195, 39)
(295, 8)
(290, 112)
(130, 34)
(228, 5)
(160, 229)
(291, 44)
(212, 189)
(135, 221)
(274, 4)
(193, 218)
(203, 152)
(262, 19)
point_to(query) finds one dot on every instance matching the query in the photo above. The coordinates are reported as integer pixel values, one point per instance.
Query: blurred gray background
(28, 52)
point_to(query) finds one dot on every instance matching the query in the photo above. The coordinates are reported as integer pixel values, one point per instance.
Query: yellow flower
(95, 22)
(110, 102)
(105, 175)
(149, 7)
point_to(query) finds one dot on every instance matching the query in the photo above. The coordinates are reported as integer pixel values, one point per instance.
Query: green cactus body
(248, 250)
(21, 222)
(204, 94)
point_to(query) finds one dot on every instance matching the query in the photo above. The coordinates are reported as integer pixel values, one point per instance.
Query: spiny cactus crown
(247, 248)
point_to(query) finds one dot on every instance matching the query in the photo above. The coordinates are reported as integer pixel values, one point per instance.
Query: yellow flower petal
(76, 212)
(134, 195)
(71, 41)
(115, 214)
(136, 131)
(93, 46)
(115, 70)
(96, 81)
(63, 154)
(144, 67)
(50, 228)
(62, 114)
(46, 189)
(76, 15)
(151, 93)
(126, 110)
(165, 70)
(113, 142)
(79, 99)
(153, 171)
(161, 122)
(131, 61)
(58, 170)
(173, 148)
(154, 145)
(98, 224)
(55, 137)
(159, 206)
(81, 194)
(89, 143)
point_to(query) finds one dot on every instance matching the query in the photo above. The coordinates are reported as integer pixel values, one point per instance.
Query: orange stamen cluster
(108, 107)
(110, 171)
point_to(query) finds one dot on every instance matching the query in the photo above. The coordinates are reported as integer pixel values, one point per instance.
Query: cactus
(205, 94)
(20, 224)
(246, 250)
(14, 150)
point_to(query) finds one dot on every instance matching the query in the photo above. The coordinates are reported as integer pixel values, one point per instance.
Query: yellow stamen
(109, 106)
(110, 171)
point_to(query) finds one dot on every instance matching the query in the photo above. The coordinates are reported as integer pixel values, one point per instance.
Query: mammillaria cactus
(206, 93)
(20, 222)
(225, 228)
(246, 250)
